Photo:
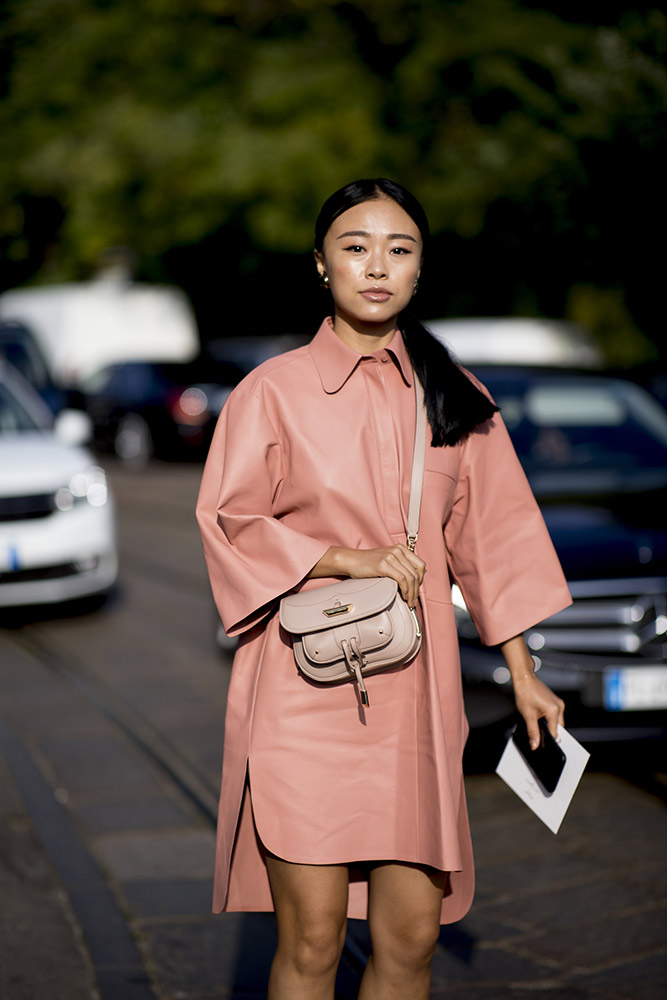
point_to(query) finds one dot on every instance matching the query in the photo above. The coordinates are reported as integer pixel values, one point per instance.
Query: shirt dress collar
(335, 361)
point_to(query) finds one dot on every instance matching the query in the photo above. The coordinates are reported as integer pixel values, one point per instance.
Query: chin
(382, 312)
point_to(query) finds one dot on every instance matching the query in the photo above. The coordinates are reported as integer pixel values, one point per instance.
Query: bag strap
(418, 460)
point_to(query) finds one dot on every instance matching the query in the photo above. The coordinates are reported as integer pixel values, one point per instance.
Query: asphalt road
(111, 725)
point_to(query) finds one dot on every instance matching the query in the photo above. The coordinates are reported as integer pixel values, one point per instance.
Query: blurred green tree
(533, 137)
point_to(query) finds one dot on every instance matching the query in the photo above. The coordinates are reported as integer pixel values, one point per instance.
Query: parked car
(19, 347)
(518, 340)
(145, 408)
(57, 523)
(595, 451)
(252, 350)
(84, 326)
(657, 386)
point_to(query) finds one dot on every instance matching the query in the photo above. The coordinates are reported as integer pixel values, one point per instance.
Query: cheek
(408, 278)
(345, 272)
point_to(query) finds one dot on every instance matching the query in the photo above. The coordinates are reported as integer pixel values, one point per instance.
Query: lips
(376, 294)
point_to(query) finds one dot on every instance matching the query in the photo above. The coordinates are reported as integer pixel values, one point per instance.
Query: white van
(83, 327)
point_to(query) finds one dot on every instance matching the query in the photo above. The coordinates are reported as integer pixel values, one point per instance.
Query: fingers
(554, 714)
(556, 717)
(535, 701)
(407, 569)
(395, 561)
(533, 730)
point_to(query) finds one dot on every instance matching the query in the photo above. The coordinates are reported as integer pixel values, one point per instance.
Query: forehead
(379, 217)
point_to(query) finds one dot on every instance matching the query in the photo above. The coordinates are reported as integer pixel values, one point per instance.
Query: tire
(133, 442)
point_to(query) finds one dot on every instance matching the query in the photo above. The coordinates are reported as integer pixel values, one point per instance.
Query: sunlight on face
(372, 255)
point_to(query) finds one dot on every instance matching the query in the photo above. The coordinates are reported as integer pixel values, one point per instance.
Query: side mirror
(73, 427)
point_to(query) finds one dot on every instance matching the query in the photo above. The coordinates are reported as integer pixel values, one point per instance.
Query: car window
(25, 361)
(98, 382)
(572, 406)
(126, 382)
(584, 424)
(14, 418)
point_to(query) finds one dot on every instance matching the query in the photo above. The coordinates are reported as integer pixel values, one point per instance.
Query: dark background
(204, 136)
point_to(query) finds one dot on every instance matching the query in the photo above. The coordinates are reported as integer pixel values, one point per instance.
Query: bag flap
(336, 604)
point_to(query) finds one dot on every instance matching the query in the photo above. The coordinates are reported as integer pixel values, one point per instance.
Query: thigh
(405, 900)
(308, 894)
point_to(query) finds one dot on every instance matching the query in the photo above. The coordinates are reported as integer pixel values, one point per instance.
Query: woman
(328, 808)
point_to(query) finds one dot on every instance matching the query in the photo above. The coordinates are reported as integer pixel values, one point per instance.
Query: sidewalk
(105, 878)
(64, 936)
(41, 948)
(589, 927)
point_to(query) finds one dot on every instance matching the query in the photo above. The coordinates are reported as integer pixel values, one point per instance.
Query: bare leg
(404, 918)
(311, 909)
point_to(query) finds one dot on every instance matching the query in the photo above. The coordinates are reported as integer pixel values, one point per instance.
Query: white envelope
(550, 808)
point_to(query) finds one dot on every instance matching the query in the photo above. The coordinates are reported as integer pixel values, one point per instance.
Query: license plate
(635, 688)
(9, 558)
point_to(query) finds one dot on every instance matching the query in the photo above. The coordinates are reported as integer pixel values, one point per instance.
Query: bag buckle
(355, 660)
(338, 609)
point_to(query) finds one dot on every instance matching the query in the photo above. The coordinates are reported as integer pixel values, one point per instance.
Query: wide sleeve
(252, 556)
(499, 549)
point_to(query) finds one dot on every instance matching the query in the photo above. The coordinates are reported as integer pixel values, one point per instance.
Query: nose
(375, 267)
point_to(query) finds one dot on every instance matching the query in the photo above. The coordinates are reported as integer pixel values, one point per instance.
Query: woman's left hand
(534, 700)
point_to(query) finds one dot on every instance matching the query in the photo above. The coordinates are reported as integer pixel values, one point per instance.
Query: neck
(364, 338)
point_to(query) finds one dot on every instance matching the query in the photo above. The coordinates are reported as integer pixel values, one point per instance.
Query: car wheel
(133, 442)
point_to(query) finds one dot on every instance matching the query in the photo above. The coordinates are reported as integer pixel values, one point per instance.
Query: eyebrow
(391, 236)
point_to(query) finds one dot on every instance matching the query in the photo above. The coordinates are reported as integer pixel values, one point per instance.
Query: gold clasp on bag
(338, 609)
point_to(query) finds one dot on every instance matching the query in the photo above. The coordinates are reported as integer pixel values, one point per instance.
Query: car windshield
(14, 418)
(586, 424)
(26, 361)
(140, 379)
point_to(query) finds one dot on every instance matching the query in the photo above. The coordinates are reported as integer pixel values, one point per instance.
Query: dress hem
(350, 863)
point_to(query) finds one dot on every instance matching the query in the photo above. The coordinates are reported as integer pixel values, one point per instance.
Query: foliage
(157, 124)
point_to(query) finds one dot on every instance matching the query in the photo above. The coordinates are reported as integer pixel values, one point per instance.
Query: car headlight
(84, 487)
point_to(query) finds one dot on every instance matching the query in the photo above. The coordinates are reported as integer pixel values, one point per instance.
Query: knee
(316, 944)
(415, 944)
(409, 945)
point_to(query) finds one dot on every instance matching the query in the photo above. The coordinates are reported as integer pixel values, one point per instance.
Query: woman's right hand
(395, 561)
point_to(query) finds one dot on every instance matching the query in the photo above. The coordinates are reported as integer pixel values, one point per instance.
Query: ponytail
(454, 404)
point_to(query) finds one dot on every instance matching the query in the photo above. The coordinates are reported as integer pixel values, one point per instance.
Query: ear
(319, 261)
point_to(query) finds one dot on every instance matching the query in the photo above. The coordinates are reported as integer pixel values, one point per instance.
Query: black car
(145, 408)
(595, 451)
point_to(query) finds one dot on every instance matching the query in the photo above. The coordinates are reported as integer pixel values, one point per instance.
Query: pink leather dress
(313, 449)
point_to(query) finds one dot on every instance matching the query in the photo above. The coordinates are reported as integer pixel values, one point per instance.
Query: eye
(399, 251)
(355, 248)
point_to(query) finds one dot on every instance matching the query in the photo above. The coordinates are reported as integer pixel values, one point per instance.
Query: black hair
(454, 404)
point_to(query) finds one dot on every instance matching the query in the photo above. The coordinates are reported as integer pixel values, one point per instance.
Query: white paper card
(551, 809)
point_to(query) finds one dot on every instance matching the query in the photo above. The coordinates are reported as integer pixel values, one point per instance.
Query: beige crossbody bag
(347, 630)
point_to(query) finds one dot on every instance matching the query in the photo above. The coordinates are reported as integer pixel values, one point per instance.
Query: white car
(57, 520)
(518, 340)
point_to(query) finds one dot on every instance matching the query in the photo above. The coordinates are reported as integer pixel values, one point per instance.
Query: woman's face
(372, 254)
